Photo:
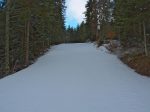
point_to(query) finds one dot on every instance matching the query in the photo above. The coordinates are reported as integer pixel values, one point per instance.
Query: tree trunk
(140, 29)
(27, 42)
(7, 34)
(145, 39)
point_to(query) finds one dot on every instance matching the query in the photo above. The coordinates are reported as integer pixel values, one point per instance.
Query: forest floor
(140, 63)
(76, 78)
(133, 57)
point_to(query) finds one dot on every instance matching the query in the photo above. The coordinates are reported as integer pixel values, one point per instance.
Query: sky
(74, 12)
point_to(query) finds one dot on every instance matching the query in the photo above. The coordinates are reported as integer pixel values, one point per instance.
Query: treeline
(125, 20)
(27, 29)
(76, 35)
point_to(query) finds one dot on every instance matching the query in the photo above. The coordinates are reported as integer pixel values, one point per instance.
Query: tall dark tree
(7, 36)
(97, 17)
(91, 18)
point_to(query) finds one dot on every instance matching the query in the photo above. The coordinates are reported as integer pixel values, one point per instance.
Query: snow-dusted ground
(76, 78)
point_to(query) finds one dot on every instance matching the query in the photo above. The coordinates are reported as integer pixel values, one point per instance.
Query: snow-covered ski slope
(76, 78)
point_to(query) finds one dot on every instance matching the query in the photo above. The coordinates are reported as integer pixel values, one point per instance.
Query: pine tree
(2, 40)
(7, 36)
(98, 15)
(91, 18)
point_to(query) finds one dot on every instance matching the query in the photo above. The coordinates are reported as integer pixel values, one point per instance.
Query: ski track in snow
(76, 78)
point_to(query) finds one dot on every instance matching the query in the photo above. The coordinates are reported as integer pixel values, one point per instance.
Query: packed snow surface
(76, 78)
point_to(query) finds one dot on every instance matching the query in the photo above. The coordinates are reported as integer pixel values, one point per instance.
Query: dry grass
(140, 63)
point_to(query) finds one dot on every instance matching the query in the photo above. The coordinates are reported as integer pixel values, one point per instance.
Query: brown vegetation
(140, 63)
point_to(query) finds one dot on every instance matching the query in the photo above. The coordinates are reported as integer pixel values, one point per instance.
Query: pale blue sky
(74, 12)
(71, 22)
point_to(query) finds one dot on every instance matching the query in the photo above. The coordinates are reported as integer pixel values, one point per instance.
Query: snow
(76, 78)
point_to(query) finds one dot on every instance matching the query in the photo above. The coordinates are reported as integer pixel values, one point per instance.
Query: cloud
(75, 10)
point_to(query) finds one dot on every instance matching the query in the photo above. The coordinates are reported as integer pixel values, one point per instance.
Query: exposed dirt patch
(140, 63)
(133, 57)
